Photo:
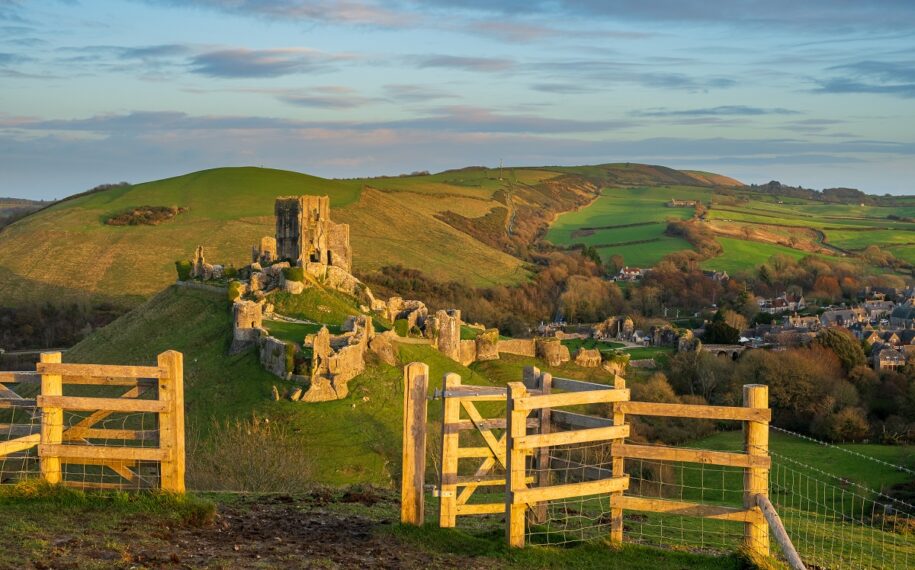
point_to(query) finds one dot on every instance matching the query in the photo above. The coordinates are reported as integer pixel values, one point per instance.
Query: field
(751, 227)
(628, 222)
(741, 255)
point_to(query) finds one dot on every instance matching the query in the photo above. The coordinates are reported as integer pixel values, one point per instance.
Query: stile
(413, 476)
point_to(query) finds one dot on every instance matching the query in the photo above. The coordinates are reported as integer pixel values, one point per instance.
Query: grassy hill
(454, 225)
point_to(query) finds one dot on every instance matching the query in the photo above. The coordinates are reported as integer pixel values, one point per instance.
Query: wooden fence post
(618, 465)
(755, 479)
(539, 512)
(52, 421)
(515, 465)
(447, 490)
(413, 472)
(171, 422)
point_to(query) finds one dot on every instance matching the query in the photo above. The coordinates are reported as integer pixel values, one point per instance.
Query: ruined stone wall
(468, 350)
(288, 213)
(340, 252)
(273, 355)
(553, 351)
(588, 358)
(519, 346)
(446, 333)
(264, 251)
(487, 345)
(247, 324)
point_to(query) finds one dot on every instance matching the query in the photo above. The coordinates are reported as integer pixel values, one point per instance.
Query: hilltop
(468, 225)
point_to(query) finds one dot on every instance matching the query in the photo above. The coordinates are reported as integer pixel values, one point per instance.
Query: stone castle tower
(305, 233)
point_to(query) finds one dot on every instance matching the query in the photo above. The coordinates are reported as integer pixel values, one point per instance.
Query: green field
(741, 255)
(643, 215)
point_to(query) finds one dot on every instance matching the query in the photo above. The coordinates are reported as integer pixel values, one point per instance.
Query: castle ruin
(306, 235)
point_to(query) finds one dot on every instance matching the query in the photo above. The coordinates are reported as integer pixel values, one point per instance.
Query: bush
(294, 274)
(234, 291)
(254, 455)
(230, 272)
(402, 327)
(145, 216)
(184, 267)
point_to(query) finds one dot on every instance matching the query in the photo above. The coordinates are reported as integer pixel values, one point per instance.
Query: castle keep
(305, 233)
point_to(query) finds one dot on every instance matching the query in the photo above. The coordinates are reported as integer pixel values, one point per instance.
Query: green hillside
(67, 250)
(454, 225)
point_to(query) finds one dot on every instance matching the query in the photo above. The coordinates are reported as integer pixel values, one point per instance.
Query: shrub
(294, 274)
(234, 291)
(255, 455)
(402, 327)
(183, 267)
(230, 272)
(145, 216)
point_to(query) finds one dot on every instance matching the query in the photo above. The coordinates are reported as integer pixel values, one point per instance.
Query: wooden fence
(69, 423)
(533, 405)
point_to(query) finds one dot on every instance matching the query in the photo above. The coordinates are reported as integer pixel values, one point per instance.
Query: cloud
(326, 97)
(407, 93)
(606, 73)
(880, 77)
(821, 15)
(563, 88)
(242, 63)
(482, 64)
(722, 110)
(327, 11)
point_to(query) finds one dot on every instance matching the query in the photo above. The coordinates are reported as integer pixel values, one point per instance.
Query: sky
(819, 93)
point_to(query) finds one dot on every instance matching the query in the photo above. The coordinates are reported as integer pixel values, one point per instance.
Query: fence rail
(97, 435)
(540, 440)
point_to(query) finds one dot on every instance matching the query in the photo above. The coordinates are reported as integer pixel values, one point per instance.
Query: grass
(741, 255)
(315, 304)
(49, 255)
(296, 332)
(597, 224)
(575, 344)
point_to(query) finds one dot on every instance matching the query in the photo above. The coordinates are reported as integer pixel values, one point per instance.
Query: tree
(843, 345)
(615, 263)
(719, 332)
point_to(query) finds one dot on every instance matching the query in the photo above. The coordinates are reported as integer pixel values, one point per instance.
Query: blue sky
(819, 93)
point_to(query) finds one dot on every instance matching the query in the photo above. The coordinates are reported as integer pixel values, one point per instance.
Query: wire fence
(73, 462)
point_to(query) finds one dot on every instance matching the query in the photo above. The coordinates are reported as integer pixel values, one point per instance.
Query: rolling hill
(456, 225)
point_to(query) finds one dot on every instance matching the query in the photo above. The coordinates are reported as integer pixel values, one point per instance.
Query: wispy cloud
(356, 12)
(881, 77)
(327, 97)
(409, 93)
(720, 111)
(242, 63)
(465, 63)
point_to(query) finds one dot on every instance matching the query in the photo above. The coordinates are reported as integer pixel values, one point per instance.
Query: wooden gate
(66, 428)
